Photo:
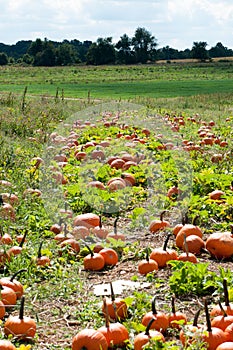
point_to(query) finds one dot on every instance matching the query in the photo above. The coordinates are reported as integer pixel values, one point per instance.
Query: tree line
(141, 48)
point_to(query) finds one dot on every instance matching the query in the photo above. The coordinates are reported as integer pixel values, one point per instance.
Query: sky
(176, 23)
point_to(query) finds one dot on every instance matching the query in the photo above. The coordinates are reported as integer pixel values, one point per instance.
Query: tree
(3, 59)
(218, 50)
(101, 52)
(144, 45)
(46, 57)
(199, 50)
(124, 54)
(66, 54)
(35, 47)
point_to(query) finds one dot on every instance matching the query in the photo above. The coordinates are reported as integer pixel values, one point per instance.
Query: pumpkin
(42, 260)
(89, 339)
(213, 336)
(158, 225)
(143, 338)
(63, 235)
(160, 319)
(189, 332)
(176, 318)
(187, 256)
(71, 243)
(110, 256)
(2, 310)
(12, 283)
(225, 346)
(220, 245)
(162, 255)
(20, 326)
(100, 231)
(188, 230)
(222, 321)
(216, 195)
(115, 333)
(228, 307)
(80, 232)
(88, 220)
(93, 261)
(229, 332)
(6, 345)
(147, 265)
(16, 250)
(195, 244)
(115, 234)
(173, 192)
(116, 308)
(8, 296)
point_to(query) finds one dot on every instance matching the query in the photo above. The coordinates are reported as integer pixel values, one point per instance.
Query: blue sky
(176, 23)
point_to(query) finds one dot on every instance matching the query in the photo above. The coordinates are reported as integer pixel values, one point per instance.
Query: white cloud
(176, 23)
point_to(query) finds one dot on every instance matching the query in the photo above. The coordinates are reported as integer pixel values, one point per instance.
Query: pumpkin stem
(166, 242)
(207, 315)
(23, 240)
(106, 313)
(112, 292)
(225, 290)
(222, 309)
(147, 331)
(21, 309)
(195, 220)
(1, 200)
(100, 221)
(173, 305)
(147, 254)
(195, 320)
(115, 225)
(89, 249)
(39, 251)
(16, 274)
(154, 311)
(184, 219)
(162, 215)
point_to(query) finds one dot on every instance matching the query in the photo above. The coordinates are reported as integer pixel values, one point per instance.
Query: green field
(125, 82)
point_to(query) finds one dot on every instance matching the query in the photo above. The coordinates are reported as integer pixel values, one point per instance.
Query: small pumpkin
(220, 244)
(188, 230)
(176, 318)
(88, 220)
(89, 339)
(143, 338)
(21, 327)
(222, 321)
(227, 307)
(12, 283)
(213, 336)
(6, 345)
(42, 260)
(158, 225)
(100, 231)
(115, 234)
(110, 256)
(147, 265)
(225, 346)
(187, 256)
(162, 255)
(115, 307)
(93, 261)
(115, 333)
(160, 322)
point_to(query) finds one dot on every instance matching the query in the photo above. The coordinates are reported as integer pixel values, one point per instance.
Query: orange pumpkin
(220, 245)
(162, 255)
(21, 327)
(88, 220)
(188, 230)
(89, 339)
(158, 225)
(160, 319)
(143, 338)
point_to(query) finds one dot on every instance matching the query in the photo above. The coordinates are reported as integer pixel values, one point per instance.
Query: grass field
(177, 100)
(156, 81)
